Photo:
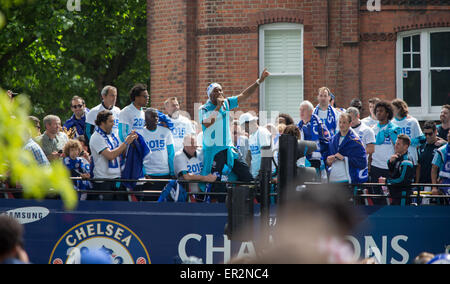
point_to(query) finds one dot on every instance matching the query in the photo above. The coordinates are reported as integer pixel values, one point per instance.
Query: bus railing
(418, 188)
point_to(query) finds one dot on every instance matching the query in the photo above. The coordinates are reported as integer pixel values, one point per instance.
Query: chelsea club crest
(114, 239)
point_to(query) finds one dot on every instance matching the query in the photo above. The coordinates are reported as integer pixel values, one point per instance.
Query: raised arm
(252, 88)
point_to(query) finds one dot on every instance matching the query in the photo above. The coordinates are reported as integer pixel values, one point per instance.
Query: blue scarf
(330, 122)
(315, 130)
(391, 131)
(352, 148)
(79, 124)
(111, 145)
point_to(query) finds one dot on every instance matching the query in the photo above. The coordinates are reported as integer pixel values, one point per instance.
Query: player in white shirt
(106, 152)
(132, 117)
(258, 137)
(371, 120)
(188, 163)
(364, 132)
(159, 162)
(386, 134)
(182, 125)
(109, 98)
(409, 126)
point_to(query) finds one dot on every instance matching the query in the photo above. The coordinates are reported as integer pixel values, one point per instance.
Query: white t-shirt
(193, 165)
(158, 141)
(181, 127)
(411, 127)
(92, 116)
(131, 118)
(258, 139)
(369, 121)
(382, 152)
(339, 169)
(103, 168)
(323, 115)
(365, 133)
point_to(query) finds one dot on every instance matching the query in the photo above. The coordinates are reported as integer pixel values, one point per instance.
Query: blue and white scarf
(111, 145)
(315, 130)
(330, 122)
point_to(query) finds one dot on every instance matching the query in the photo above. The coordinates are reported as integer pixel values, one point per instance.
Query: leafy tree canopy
(52, 53)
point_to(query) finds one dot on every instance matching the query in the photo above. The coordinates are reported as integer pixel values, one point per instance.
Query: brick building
(357, 48)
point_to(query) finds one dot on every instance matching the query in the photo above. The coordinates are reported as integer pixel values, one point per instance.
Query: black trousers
(154, 186)
(374, 174)
(240, 168)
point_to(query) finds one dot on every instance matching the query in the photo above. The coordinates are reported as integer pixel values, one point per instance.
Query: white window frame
(280, 27)
(425, 111)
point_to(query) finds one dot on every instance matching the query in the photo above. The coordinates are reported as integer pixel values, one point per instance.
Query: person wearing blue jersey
(326, 112)
(347, 160)
(313, 129)
(78, 120)
(218, 148)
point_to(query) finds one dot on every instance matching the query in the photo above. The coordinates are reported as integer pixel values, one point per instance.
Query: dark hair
(137, 90)
(289, 120)
(430, 124)
(357, 104)
(402, 106)
(292, 130)
(146, 114)
(78, 98)
(11, 233)
(102, 117)
(387, 106)
(405, 139)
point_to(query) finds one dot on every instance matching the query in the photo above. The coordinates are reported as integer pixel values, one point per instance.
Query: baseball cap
(247, 117)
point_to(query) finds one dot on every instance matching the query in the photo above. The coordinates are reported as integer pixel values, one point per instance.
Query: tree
(19, 165)
(52, 54)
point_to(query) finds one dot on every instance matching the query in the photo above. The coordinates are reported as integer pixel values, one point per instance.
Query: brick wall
(192, 43)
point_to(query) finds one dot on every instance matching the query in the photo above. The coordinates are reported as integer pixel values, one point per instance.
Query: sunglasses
(428, 133)
(77, 106)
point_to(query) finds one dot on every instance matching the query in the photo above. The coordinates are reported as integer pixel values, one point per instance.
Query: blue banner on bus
(166, 232)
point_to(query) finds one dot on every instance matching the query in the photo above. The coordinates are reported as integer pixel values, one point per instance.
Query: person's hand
(210, 178)
(339, 157)
(55, 155)
(131, 137)
(264, 75)
(382, 180)
(220, 101)
(85, 176)
(331, 159)
(435, 191)
(393, 158)
(440, 142)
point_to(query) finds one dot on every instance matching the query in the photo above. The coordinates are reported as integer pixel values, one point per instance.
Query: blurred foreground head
(311, 228)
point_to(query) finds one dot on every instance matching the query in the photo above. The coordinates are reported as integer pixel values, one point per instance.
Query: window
(281, 51)
(423, 71)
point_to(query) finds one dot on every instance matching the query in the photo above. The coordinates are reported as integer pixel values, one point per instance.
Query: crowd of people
(104, 142)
